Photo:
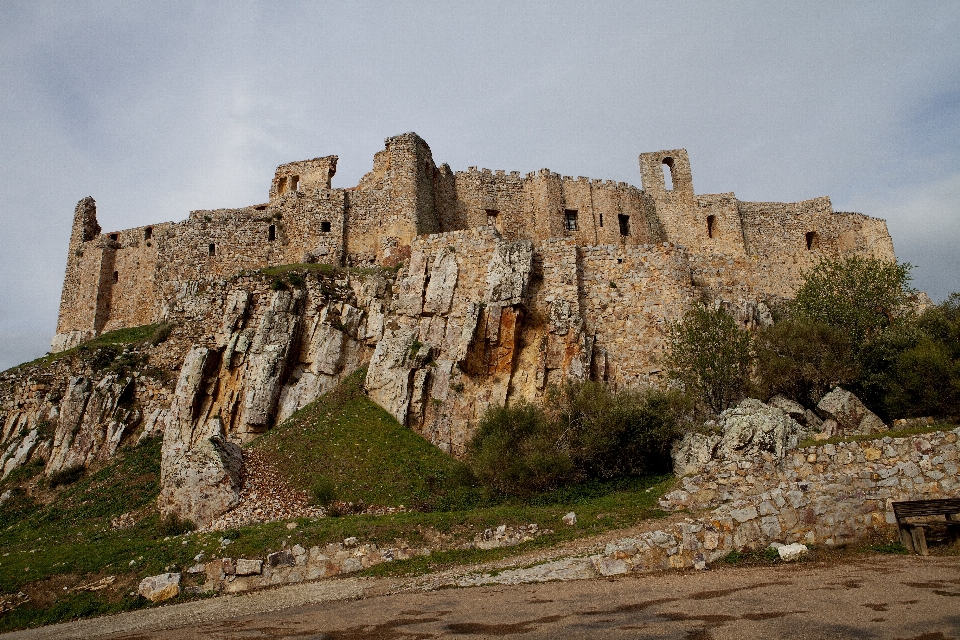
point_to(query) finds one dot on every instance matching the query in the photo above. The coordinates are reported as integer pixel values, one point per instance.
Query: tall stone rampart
(611, 263)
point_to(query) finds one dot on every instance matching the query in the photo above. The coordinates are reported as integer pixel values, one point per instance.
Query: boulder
(570, 519)
(161, 587)
(443, 281)
(851, 416)
(752, 428)
(747, 430)
(793, 409)
(791, 552)
(693, 451)
(245, 567)
(509, 272)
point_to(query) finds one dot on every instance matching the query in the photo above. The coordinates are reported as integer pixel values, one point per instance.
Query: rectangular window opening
(212, 250)
(294, 183)
(570, 219)
(116, 276)
(272, 232)
(624, 224)
(148, 233)
(281, 185)
(325, 226)
(492, 217)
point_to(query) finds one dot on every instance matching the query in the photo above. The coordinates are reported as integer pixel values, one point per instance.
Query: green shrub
(516, 450)
(589, 432)
(173, 525)
(322, 491)
(65, 476)
(802, 359)
(859, 296)
(161, 333)
(613, 434)
(278, 284)
(296, 280)
(710, 356)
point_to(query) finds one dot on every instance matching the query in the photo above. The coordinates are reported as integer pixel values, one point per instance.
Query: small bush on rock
(173, 525)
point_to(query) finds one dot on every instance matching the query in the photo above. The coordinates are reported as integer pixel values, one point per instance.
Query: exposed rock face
(92, 421)
(847, 415)
(201, 473)
(752, 428)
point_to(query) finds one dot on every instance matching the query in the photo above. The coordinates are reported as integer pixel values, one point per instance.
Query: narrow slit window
(116, 276)
(272, 232)
(711, 225)
(148, 233)
(668, 174)
(325, 226)
(813, 241)
(601, 220)
(570, 219)
(624, 224)
(212, 250)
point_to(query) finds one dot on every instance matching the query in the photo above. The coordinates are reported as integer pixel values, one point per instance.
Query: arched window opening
(711, 221)
(668, 173)
(813, 240)
(212, 250)
(116, 276)
(148, 233)
(272, 232)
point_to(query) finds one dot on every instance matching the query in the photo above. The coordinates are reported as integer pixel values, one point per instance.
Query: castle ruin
(743, 250)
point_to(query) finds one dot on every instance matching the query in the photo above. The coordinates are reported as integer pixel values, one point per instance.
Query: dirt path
(905, 597)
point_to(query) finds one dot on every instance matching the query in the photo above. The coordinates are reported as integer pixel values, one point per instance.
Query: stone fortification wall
(825, 494)
(610, 263)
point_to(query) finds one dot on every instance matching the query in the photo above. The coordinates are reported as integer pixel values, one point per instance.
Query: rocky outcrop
(752, 428)
(201, 473)
(847, 415)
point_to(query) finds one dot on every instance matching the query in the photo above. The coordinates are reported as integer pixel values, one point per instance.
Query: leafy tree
(710, 356)
(802, 359)
(858, 296)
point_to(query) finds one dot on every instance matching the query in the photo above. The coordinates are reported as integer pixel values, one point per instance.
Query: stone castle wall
(740, 252)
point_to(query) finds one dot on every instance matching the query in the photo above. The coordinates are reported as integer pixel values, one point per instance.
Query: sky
(159, 108)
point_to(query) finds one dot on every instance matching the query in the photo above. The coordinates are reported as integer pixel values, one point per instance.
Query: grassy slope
(363, 451)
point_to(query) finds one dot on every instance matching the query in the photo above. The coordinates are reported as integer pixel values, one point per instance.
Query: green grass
(65, 539)
(350, 442)
(119, 337)
(899, 433)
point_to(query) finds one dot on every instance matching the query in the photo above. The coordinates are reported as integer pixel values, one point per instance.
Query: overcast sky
(157, 108)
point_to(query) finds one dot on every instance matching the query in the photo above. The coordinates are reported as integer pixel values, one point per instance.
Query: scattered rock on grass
(161, 587)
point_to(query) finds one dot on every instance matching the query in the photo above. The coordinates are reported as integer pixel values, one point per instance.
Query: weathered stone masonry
(127, 278)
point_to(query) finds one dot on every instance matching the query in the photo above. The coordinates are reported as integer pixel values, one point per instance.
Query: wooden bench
(912, 535)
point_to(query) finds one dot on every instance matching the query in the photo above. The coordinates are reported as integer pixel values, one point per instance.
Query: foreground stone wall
(827, 494)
